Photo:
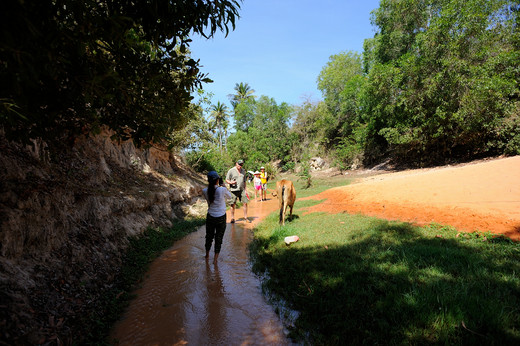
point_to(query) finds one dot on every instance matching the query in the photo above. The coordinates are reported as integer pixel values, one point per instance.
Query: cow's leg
(284, 211)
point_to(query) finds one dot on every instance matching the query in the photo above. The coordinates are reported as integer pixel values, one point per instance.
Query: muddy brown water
(186, 300)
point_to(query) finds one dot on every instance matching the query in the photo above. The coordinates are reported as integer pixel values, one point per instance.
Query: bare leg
(215, 260)
(233, 212)
(245, 211)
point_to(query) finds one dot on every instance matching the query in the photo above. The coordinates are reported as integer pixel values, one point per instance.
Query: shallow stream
(186, 300)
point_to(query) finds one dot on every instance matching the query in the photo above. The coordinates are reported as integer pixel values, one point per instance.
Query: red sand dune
(483, 196)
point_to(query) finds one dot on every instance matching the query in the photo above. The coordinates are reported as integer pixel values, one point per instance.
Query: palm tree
(243, 92)
(220, 123)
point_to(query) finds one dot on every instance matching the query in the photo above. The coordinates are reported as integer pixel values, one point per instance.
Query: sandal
(232, 220)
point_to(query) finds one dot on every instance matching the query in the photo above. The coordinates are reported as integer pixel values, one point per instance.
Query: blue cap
(213, 175)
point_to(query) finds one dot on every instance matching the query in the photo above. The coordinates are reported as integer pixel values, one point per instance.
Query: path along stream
(186, 300)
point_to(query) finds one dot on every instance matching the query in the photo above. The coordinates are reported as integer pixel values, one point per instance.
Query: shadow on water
(188, 300)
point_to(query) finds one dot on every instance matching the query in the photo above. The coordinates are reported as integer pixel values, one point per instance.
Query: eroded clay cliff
(65, 218)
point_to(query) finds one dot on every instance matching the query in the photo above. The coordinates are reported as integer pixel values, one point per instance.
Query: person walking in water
(236, 178)
(216, 218)
(258, 185)
(263, 180)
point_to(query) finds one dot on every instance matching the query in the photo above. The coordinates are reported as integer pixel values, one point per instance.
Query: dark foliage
(69, 67)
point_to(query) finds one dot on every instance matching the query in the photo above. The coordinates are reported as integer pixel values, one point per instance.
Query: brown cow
(286, 196)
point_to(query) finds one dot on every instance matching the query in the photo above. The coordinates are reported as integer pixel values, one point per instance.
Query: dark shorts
(239, 196)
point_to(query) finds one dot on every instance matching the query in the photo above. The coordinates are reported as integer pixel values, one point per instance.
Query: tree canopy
(265, 138)
(69, 67)
(261, 133)
(438, 82)
(444, 78)
(243, 92)
(220, 122)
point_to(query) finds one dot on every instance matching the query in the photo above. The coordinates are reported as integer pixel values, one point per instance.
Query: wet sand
(186, 300)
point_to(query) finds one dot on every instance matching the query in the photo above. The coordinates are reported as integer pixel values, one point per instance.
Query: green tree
(243, 114)
(306, 130)
(219, 122)
(341, 127)
(258, 140)
(69, 67)
(204, 152)
(243, 102)
(334, 76)
(243, 92)
(208, 157)
(197, 132)
(443, 79)
(239, 146)
(271, 123)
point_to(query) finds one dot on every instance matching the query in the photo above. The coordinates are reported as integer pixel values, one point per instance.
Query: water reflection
(215, 304)
(188, 300)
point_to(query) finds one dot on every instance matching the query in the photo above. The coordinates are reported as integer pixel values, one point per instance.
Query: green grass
(140, 253)
(362, 280)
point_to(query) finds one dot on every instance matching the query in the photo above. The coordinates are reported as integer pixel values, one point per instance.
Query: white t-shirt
(218, 207)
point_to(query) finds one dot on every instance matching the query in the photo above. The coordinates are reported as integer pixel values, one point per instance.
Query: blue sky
(279, 47)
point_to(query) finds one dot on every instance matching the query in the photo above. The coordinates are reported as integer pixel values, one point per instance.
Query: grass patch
(141, 251)
(362, 280)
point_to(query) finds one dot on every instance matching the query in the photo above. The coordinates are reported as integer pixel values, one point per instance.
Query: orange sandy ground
(481, 196)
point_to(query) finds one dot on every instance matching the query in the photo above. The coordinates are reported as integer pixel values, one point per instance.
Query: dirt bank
(65, 218)
(483, 196)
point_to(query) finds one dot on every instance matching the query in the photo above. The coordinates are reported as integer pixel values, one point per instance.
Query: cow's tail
(282, 208)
